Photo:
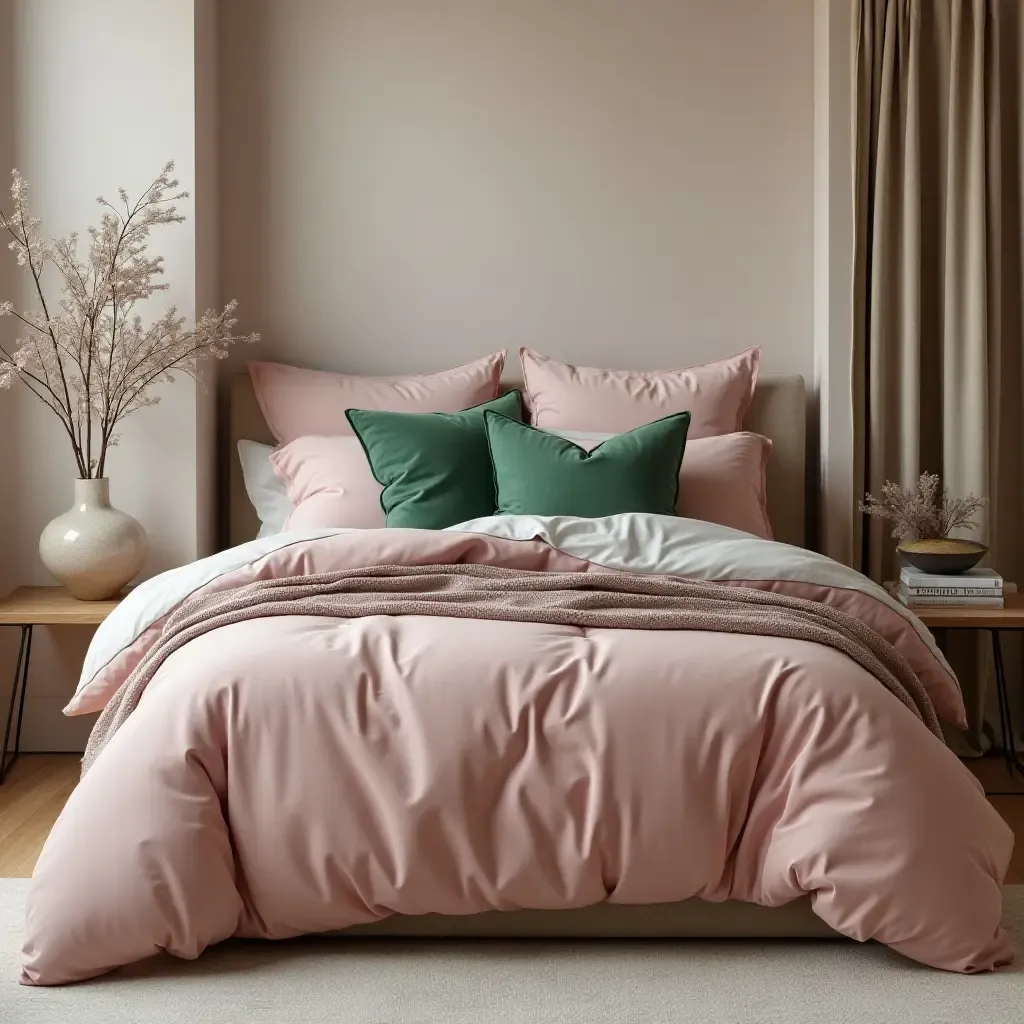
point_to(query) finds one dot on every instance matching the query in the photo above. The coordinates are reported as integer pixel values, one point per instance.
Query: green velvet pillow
(536, 473)
(434, 467)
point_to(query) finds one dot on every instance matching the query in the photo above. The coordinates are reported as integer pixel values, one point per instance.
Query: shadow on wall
(57, 656)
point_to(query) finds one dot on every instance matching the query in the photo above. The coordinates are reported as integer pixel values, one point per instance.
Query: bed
(776, 412)
(809, 785)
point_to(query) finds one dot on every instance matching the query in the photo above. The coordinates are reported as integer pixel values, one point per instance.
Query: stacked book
(976, 588)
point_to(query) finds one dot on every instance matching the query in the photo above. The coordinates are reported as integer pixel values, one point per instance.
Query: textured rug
(604, 982)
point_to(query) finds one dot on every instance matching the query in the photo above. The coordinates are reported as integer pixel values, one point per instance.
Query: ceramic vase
(93, 549)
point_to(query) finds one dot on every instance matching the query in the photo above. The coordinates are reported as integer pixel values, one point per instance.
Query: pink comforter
(295, 775)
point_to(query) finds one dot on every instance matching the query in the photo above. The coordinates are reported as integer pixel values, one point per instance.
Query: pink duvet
(296, 775)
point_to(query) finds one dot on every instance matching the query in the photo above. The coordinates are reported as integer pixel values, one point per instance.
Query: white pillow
(266, 492)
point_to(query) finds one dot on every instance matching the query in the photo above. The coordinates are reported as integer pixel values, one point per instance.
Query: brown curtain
(938, 284)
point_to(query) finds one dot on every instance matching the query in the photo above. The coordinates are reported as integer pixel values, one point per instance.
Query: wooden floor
(37, 786)
(31, 797)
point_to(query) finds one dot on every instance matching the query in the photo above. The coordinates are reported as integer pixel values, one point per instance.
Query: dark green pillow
(536, 473)
(434, 467)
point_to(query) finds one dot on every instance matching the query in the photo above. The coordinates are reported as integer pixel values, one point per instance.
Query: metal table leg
(20, 680)
(1013, 762)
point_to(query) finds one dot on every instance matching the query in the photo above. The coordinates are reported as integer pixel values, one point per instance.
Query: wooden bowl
(947, 556)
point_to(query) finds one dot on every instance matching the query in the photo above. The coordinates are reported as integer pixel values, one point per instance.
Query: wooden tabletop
(51, 606)
(1010, 616)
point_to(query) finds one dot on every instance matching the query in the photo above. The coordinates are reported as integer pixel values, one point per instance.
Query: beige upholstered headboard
(778, 411)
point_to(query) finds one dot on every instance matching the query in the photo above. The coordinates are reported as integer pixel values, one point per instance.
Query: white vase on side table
(93, 549)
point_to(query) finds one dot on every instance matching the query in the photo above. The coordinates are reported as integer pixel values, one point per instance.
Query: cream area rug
(485, 982)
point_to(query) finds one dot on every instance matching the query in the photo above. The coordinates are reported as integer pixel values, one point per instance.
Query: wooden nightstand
(26, 608)
(1009, 618)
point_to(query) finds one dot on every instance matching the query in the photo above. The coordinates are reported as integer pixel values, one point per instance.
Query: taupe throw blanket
(609, 601)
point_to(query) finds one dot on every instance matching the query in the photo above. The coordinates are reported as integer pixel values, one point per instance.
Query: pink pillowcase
(722, 479)
(561, 396)
(329, 482)
(299, 403)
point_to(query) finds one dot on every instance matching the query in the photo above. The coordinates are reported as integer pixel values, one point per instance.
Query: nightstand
(26, 608)
(1009, 618)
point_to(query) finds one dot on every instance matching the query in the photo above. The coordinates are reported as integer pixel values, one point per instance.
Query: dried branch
(93, 361)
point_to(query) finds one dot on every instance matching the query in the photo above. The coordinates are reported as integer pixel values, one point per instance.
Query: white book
(989, 578)
(948, 602)
(952, 591)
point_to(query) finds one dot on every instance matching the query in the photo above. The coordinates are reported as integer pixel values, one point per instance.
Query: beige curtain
(938, 282)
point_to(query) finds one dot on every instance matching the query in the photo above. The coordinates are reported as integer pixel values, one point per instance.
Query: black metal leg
(20, 680)
(1013, 763)
(24, 690)
(1004, 738)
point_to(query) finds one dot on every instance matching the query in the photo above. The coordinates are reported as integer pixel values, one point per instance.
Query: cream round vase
(93, 550)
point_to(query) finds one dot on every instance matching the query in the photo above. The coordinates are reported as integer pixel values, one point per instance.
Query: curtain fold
(938, 284)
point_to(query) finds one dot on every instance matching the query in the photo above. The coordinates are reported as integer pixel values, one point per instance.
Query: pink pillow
(329, 482)
(721, 480)
(299, 403)
(561, 396)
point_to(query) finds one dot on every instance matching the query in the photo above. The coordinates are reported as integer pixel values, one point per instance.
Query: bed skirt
(690, 919)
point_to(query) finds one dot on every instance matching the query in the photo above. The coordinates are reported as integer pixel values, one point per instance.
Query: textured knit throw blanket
(603, 600)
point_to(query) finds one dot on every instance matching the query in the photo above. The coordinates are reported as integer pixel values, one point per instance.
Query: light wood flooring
(32, 795)
(38, 785)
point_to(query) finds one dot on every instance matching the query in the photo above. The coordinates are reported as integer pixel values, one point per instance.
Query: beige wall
(406, 185)
(88, 116)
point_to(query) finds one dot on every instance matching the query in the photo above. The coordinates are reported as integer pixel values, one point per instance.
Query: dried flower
(923, 514)
(90, 358)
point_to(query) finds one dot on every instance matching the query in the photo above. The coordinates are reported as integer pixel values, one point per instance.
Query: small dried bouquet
(925, 513)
